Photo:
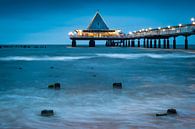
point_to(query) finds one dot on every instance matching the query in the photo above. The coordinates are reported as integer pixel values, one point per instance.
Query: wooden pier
(151, 38)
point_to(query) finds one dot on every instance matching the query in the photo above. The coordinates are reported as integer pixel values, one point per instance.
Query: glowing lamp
(192, 19)
(70, 34)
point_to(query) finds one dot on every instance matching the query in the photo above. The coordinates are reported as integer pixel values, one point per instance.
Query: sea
(153, 80)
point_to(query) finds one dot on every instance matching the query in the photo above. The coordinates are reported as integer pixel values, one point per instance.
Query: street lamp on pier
(193, 20)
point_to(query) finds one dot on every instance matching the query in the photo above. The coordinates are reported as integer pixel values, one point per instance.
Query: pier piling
(168, 43)
(150, 43)
(74, 44)
(186, 42)
(164, 43)
(174, 42)
(147, 42)
(159, 43)
(154, 43)
(138, 42)
(144, 43)
(91, 43)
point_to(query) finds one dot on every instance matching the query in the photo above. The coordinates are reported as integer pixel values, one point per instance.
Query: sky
(49, 21)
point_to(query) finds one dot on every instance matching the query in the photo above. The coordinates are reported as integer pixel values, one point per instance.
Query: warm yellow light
(173, 29)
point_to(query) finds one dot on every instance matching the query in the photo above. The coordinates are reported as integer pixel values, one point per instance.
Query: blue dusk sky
(49, 21)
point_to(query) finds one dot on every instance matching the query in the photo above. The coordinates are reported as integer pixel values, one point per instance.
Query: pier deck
(151, 37)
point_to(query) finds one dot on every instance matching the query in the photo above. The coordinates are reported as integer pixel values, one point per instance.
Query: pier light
(119, 31)
(159, 28)
(192, 19)
(163, 29)
(173, 29)
(180, 25)
(146, 29)
(169, 27)
(150, 28)
(130, 33)
(70, 34)
(143, 29)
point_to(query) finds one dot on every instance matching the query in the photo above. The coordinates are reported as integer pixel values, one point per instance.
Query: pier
(147, 38)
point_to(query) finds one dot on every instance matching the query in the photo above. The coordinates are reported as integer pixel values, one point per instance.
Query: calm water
(153, 81)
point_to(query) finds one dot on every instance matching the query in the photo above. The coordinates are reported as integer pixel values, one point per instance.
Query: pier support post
(174, 42)
(164, 43)
(132, 43)
(123, 43)
(168, 43)
(128, 43)
(186, 42)
(74, 43)
(113, 43)
(144, 42)
(106, 43)
(117, 43)
(92, 43)
(159, 43)
(120, 43)
(150, 43)
(154, 43)
(147, 43)
(138, 42)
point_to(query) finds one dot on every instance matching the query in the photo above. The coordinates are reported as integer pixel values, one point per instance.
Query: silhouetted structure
(152, 38)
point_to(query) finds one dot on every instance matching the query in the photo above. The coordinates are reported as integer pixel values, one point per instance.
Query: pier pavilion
(97, 30)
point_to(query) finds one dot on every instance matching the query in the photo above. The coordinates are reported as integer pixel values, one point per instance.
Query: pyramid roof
(97, 23)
